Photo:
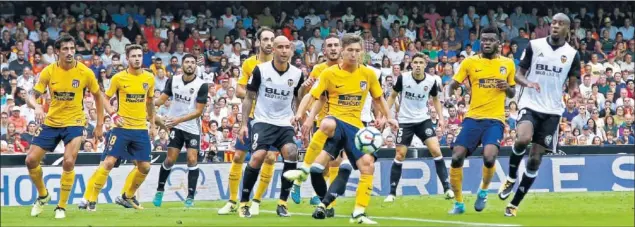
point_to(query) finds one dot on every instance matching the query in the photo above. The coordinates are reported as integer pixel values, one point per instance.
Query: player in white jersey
(367, 112)
(188, 92)
(546, 65)
(416, 88)
(274, 86)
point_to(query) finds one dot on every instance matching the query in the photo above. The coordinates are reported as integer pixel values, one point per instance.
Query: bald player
(545, 66)
(274, 87)
(265, 36)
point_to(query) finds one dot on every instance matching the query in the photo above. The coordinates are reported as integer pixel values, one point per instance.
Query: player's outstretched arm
(392, 98)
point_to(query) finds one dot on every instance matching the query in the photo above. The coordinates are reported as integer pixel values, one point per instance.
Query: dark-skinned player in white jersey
(546, 65)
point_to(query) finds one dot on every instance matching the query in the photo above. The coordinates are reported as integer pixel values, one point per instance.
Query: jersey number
(113, 139)
(255, 144)
(520, 114)
(172, 134)
(37, 131)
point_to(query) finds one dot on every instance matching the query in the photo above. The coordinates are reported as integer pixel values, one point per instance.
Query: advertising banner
(557, 174)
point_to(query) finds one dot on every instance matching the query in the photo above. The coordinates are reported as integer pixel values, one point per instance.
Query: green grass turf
(545, 209)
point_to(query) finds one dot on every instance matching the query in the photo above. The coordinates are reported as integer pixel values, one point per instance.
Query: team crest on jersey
(191, 91)
(362, 85)
(503, 70)
(290, 82)
(429, 132)
(563, 59)
(548, 140)
(268, 80)
(425, 88)
(145, 86)
(75, 83)
(193, 142)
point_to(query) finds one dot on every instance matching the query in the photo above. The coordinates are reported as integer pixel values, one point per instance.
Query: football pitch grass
(542, 209)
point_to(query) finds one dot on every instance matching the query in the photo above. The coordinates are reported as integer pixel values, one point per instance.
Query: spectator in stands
(17, 67)
(389, 142)
(162, 141)
(580, 120)
(627, 136)
(18, 121)
(119, 42)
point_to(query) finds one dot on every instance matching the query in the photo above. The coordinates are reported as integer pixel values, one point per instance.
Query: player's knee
(143, 167)
(327, 126)
(31, 162)
(168, 163)
(458, 157)
(270, 158)
(192, 161)
(400, 153)
(239, 157)
(533, 163)
(522, 141)
(68, 163)
(489, 161)
(292, 151)
(366, 165)
(257, 158)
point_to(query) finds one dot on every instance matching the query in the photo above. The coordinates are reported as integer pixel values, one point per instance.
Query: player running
(265, 36)
(491, 78)
(188, 92)
(415, 89)
(347, 85)
(332, 50)
(545, 66)
(130, 139)
(273, 86)
(66, 81)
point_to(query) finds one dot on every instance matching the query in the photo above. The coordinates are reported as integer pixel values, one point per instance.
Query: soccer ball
(368, 140)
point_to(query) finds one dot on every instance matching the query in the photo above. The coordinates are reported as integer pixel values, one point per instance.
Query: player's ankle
(358, 211)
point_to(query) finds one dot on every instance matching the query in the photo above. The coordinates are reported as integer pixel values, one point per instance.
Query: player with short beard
(184, 125)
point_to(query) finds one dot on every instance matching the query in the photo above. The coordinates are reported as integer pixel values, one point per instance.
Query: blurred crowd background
(222, 36)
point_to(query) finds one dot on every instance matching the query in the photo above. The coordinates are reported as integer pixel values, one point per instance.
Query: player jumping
(66, 81)
(265, 36)
(491, 78)
(347, 85)
(332, 50)
(188, 92)
(130, 139)
(415, 89)
(546, 65)
(273, 86)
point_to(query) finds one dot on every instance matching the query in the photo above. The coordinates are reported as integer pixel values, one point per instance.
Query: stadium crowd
(222, 35)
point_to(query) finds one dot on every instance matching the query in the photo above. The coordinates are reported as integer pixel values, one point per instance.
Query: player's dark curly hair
(188, 56)
(64, 39)
(491, 29)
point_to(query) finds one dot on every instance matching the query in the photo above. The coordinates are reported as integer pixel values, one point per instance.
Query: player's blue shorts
(343, 138)
(246, 145)
(129, 144)
(475, 132)
(48, 137)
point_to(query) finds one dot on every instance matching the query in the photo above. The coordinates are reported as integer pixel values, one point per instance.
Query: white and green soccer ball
(368, 140)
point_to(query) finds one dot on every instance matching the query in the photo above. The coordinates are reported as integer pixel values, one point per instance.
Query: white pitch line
(376, 217)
